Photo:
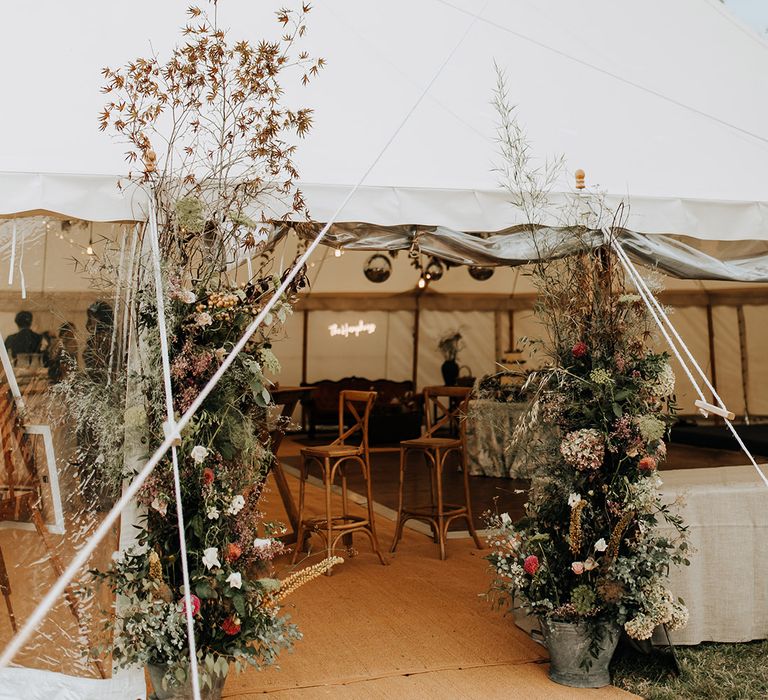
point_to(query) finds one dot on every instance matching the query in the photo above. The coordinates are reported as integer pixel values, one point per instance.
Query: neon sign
(345, 329)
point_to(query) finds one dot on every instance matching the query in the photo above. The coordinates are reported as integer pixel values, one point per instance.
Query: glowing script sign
(345, 329)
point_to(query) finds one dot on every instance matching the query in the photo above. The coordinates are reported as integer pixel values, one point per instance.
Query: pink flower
(195, 605)
(577, 567)
(531, 564)
(579, 349)
(231, 626)
(647, 464)
(233, 552)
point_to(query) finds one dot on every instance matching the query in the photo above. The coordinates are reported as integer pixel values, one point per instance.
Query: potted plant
(450, 345)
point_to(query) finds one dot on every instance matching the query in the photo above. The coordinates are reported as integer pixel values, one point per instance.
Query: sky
(752, 12)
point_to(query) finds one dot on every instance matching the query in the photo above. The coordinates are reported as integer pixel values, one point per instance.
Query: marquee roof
(663, 104)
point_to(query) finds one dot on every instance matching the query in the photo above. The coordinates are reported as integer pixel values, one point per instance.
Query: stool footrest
(339, 522)
(449, 509)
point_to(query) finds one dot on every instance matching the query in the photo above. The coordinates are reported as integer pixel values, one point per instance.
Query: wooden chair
(335, 459)
(444, 406)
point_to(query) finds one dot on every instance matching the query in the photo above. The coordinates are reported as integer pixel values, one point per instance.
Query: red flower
(208, 476)
(195, 605)
(233, 552)
(531, 564)
(231, 626)
(579, 350)
(647, 464)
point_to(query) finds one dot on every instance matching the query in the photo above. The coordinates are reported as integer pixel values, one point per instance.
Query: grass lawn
(710, 671)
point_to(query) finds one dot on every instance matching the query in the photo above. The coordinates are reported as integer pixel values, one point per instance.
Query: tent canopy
(664, 104)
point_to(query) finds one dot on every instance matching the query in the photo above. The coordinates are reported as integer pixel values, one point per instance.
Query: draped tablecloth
(726, 585)
(489, 426)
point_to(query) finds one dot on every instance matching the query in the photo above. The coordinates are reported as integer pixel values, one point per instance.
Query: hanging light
(434, 270)
(377, 268)
(480, 273)
(422, 283)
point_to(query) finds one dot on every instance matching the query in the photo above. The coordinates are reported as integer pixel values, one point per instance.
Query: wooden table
(288, 397)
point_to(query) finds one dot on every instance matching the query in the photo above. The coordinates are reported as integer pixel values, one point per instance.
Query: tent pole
(415, 363)
(712, 363)
(744, 359)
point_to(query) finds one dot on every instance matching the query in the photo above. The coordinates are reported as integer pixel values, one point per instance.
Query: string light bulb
(337, 252)
(422, 283)
(89, 249)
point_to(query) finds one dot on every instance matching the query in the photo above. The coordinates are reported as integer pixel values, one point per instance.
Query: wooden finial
(579, 179)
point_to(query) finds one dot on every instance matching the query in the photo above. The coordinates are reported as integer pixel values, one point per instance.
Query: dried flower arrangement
(589, 547)
(221, 189)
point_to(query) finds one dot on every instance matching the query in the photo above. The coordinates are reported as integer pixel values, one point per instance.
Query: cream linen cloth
(726, 585)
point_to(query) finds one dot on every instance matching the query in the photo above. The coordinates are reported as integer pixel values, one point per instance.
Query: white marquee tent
(663, 104)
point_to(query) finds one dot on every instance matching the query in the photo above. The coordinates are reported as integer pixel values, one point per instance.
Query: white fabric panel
(691, 324)
(288, 350)
(528, 325)
(477, 329)
(728, 357)
(334, 357)
(399, 348)
(756, 322)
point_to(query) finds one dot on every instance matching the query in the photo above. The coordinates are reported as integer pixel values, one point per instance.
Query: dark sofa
(396, 414)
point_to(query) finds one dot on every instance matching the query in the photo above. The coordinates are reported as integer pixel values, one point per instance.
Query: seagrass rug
(417, 628)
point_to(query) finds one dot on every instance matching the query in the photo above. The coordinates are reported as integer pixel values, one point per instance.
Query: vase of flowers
(450, 345)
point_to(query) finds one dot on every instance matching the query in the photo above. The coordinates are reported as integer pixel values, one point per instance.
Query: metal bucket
(181, 692)
(568, 644)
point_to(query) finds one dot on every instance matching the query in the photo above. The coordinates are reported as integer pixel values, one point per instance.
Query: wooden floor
(416, 628)
(488, 493)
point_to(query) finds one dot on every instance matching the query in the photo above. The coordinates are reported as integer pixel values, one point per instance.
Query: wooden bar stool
(443, 406)
(336, 459)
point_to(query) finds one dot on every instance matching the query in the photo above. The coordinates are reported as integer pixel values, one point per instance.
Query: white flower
(99, 459)
(601, 545)
(118, 557)
(238, 502)
(220, 353)
(261, 543)
(159, 505)
(213, 513)
(573, 499)
(235, 580)
(203, 319)
(199, 453)
(187, 296)
(211, 557)
(505, 519)
(589, 564)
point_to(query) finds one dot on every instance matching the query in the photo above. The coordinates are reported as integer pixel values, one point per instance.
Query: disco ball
(377, 268)
(434, 271)
(480, 273)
